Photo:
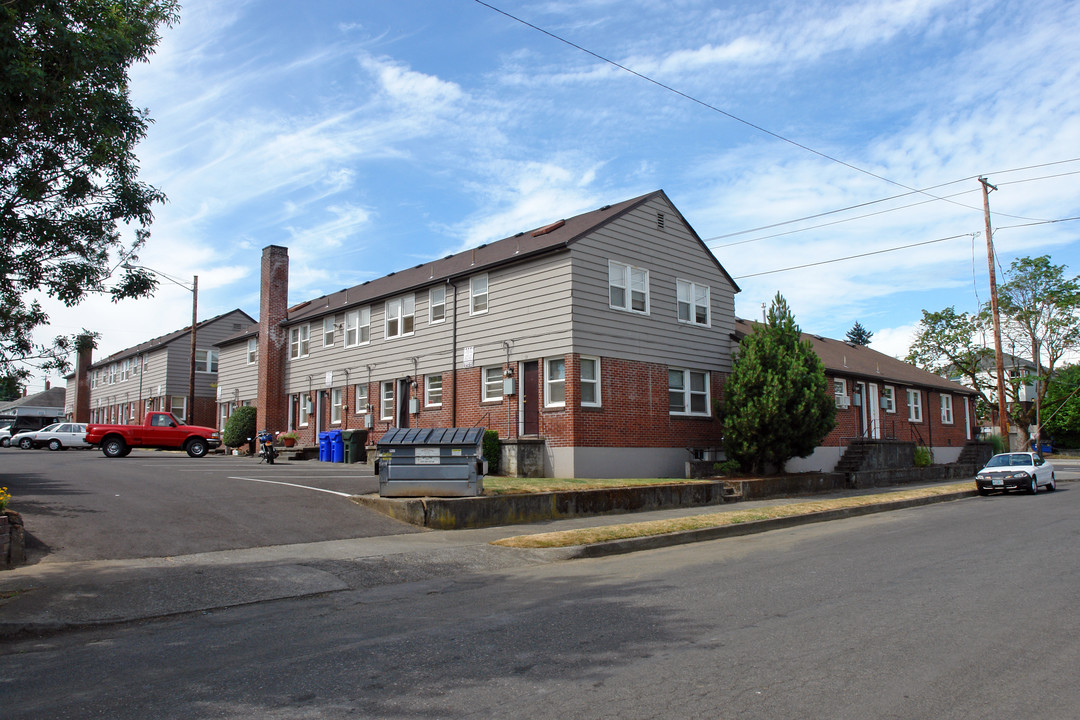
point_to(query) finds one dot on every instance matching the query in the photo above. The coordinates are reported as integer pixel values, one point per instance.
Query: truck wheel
(114, 447)
(197, 447)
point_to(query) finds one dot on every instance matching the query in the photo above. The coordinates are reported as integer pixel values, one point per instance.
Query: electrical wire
(851, 257)
(725, 113)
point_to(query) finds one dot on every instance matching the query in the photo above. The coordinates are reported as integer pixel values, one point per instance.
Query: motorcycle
(267, 451)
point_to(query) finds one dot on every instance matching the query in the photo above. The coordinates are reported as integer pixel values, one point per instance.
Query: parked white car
(5, 436)
(55, 437)
(1016, 471)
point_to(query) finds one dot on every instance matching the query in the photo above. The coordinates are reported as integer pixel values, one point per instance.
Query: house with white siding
(595, 345)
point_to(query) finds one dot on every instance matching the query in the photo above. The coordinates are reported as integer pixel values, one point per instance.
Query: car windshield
(1010, 460)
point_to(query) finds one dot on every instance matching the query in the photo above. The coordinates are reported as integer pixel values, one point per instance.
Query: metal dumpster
(431, 462)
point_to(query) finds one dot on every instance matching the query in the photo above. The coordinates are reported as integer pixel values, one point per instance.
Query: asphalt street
(965, 609)
(80, 505)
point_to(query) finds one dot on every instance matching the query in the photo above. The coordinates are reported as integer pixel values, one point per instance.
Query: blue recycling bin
(337, 447)
(324, 447)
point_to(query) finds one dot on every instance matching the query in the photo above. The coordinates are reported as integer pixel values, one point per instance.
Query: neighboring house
(155, 375)
(32, 412)
(595, 344)
(881, 398)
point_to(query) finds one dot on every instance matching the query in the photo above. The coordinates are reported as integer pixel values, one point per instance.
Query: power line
(726, 114)
(851, 257)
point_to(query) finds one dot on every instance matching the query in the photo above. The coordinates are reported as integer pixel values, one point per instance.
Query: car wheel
(1053, 483)
(197, 447)
(114, 448)
(6, 442)
(1034, 487)
(26, 443)
(55, 444)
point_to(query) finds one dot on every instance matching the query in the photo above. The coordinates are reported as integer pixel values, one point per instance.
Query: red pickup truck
(159, 430)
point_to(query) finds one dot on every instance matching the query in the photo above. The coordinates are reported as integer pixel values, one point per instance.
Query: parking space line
(304, 487)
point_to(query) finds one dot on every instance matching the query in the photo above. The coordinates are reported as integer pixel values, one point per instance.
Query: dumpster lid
(433, 436)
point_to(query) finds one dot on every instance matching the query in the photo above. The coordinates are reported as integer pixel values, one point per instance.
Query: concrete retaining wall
(12, 539)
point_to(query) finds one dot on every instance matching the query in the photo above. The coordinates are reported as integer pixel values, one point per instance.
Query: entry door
(530, 398)
(873, 406)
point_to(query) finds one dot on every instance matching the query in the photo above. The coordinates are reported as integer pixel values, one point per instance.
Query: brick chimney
(272, 402)
(81, 404)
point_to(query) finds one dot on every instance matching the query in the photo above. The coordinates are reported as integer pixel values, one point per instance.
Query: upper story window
(328, 331)
(252, 351)
(590, 382)
(946, 409)
(437, 304)
(357, 326)
(555, 382)
(400, 313)
(628, 287)
(206, 360)
(125, 370)
(693, 302)
(478, 294)
(914, 403)
(688, 392)
(299, 341)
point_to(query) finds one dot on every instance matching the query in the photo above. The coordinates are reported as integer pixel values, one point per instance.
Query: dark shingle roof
(848, 359)
(157, 342)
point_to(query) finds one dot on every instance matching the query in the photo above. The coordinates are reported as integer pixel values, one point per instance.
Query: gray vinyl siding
(669, 254)
(238, 381)
(528, 307)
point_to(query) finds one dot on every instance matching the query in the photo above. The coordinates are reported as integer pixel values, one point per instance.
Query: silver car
(55, 437)
(1016, 471)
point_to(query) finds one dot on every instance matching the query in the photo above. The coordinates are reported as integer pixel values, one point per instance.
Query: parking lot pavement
(80, 505)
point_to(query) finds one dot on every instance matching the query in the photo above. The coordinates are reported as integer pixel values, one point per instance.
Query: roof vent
(548, 228)
(519, 234)
(606, 207)
(659, 221)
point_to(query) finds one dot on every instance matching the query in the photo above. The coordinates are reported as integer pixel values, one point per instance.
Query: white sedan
(1016, 471)
(55, 437)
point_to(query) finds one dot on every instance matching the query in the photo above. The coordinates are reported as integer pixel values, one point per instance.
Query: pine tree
(859, 335)
(777, 404)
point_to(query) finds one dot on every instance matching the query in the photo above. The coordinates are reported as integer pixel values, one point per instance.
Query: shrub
(239, 427)
(492, 450)
(922, 456)
(728, 467)
(998, 443)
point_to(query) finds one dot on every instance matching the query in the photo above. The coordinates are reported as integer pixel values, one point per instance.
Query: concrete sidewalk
(49, 597)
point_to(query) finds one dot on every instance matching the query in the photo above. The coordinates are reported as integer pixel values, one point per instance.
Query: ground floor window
(304, 411)
(433, 391)
(914, 401)
(335, 405)
(946, 410)
(179, 408)
(555, 382)
(688, 392)
(590, 382)
(387, 407)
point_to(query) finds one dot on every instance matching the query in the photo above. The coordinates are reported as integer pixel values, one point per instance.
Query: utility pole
(999, 361)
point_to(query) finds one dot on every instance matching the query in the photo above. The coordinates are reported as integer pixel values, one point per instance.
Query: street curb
(652, 542)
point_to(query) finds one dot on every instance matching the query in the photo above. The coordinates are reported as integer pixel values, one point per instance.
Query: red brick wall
(633, 412)
(272, 402)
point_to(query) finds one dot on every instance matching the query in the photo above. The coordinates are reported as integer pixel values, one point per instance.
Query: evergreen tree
(859, 335)
(777, 404)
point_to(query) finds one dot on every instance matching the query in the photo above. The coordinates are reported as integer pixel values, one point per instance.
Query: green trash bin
(355, 445)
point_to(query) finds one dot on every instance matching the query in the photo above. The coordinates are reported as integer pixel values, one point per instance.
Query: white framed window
(692, 300)
(478, 294)
(361, 406)
(125, 370)
(688, 392)
(178, 407)
(299, 341)
(914, 403)
(252, 351)
(437, 304)
(888, 399)
(433, 390)
(628, 287)
(328, 331)
(555, 382)
(335, 405)
(590, 382)
(400, 313)
(493, 383)
(840, 392)
(304, 410)
(358, 327)
(206, 360)
(112, 374)
(386, 405)
(946, 409)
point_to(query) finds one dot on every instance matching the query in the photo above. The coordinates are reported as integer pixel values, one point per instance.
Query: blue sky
(370, 136)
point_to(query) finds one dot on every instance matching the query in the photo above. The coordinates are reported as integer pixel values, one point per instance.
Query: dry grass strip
(588, 536)
(497, 485)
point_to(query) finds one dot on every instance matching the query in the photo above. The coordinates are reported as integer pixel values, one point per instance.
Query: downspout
(453, 358)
